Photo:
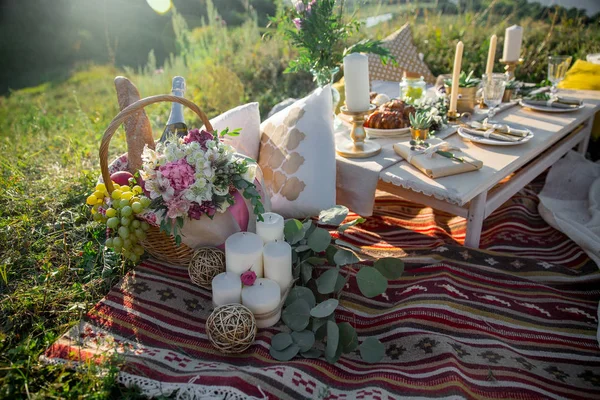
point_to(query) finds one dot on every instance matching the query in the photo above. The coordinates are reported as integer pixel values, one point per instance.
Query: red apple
(121, 177)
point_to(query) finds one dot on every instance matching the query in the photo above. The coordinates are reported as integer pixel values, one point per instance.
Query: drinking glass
(557, 68)
(493, 86)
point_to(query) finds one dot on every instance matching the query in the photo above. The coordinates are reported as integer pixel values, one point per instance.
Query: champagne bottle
(176, 124)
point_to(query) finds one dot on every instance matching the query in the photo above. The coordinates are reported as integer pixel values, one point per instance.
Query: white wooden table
(475, 195)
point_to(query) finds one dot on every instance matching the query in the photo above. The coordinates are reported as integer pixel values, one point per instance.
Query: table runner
(471, 323)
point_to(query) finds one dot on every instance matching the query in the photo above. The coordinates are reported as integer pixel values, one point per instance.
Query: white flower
(250, 173)
(221, 191)
(223, 206)
(160, 187)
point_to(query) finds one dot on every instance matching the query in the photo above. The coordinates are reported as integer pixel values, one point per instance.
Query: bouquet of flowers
(195, 176)
(318, 29)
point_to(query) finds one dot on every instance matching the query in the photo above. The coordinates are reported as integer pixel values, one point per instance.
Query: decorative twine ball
(231, 328)
(206, 263)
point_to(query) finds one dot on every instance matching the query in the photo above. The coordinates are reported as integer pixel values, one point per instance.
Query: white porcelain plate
(482, 140)
(386, 133)
(550, 109)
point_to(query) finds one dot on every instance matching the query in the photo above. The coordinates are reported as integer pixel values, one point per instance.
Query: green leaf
(286, 354)
(326, 282)
(293, 231)
(371, 350)
(339, 283)
(333, 216)
(305, 339)
(330, 253)
(281, 341)
(301, 292)
(348, 337)
(301, 248)
(324, 309)
(357, 221)
(306, 273)
(316, 260)
(345, 257)
(370, 282)
(317, 323)
(333, 339)
(312, 353)
(297, 315)
(319, 240)
(391, 268)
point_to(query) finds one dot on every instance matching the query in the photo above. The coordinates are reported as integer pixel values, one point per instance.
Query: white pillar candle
(277, 261)
(356, 76)
(489, 68)
(271, 228)
(513, 37)
(226, 289)
(456, 76)
(243, 252)
(263, 297)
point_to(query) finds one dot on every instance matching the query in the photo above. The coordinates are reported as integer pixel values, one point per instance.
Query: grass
(52, 266)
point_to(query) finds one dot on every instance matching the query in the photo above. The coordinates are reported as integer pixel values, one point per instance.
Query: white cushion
(246, 117)
(297, 156)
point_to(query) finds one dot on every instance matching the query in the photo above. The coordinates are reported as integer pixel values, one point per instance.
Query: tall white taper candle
(489, 68)
(456, 76)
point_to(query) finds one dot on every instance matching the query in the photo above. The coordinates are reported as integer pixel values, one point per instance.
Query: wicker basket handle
(128, 112)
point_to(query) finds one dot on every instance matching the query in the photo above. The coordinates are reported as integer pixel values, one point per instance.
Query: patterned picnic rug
(459, 323)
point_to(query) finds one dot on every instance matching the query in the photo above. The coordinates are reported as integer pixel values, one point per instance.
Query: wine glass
(557, 68)
(493, 86)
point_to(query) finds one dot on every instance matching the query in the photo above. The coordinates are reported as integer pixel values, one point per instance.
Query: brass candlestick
(359, 147)
(453, 116)
(510, 66)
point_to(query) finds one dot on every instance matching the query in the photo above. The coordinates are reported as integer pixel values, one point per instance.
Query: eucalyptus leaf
(340, 283)
(326, 282)
(297, 315)
(343, 243)
(293, 231)
(345, 257)
(391, 268)
(350, 224)
(312, 353)
(348, 337)
(302, 248)
(307, 225)
(305, 339)
(306, 273)
(333, 339)
(285, 355)
(318, 323)
(370, 282)
(281, 341)
(333, 216)
(301, 292)
(324, 309)
(330, 253)
(371, 350)
(316, 260)
(319, 240)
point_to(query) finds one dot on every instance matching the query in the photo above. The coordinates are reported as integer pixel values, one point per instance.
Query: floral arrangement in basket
(194, 176)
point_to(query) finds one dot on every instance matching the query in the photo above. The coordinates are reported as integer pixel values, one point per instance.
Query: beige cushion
(402, 47)
(297, 156)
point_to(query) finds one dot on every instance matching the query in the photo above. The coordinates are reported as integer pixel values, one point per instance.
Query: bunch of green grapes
(118, 211)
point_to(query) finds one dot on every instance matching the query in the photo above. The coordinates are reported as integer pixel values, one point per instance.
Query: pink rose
(195, 135)
(248, 278)
(179, 173)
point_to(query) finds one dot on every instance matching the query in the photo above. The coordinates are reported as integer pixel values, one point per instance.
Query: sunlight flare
(160, 6)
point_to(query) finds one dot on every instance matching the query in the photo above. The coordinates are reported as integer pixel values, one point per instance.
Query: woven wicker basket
(157, 243)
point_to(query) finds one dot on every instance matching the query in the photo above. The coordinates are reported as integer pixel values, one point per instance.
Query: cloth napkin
(434, 165)
(492, 134)
(556, 102)
(499, 128)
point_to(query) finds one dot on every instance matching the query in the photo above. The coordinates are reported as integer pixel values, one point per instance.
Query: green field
(52, 264)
